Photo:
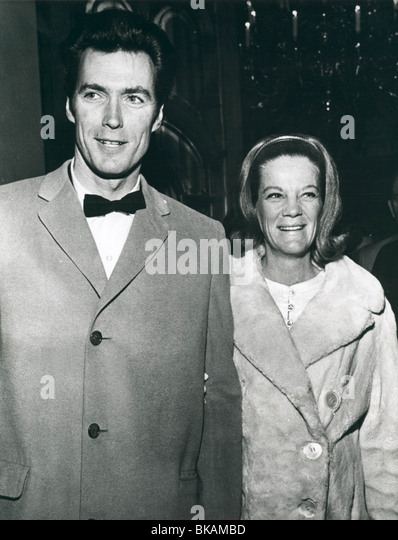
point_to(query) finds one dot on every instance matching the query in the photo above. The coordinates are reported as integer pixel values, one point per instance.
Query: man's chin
(113, 173)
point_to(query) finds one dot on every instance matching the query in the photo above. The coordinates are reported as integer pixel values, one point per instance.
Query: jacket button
(96, 338)
(94, 431)
(308, 509)
(333, 400)
(313, 451)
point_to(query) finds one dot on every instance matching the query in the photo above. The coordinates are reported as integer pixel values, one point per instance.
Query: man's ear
(391, 207)
(69, 111)
(159, 119)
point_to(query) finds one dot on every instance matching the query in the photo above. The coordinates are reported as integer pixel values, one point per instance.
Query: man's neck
(111, 189)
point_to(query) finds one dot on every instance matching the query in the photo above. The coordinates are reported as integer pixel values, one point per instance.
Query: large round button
(333, 400)
(308, 508)
(312, 451)
(96, 338)
(94, 431)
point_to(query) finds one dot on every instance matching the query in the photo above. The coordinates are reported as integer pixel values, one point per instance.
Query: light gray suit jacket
(161, 450)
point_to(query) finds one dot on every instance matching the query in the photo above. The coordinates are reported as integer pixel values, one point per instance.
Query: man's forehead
(115, 69)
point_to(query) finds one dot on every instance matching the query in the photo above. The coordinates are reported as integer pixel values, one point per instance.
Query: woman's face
(289, 204)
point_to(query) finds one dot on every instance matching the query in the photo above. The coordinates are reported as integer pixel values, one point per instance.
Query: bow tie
(94, 205)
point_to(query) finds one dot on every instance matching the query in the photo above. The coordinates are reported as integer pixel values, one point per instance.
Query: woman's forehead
(290, 168)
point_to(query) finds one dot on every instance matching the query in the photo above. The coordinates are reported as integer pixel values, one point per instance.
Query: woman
(315, 348)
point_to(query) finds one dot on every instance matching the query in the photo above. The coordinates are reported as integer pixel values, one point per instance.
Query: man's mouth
(110, 143)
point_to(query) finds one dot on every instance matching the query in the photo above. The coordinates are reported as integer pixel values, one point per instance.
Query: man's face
(114, 110)
(393, 202)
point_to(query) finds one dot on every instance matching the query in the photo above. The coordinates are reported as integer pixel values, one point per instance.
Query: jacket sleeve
(379, 431)
(220, 460)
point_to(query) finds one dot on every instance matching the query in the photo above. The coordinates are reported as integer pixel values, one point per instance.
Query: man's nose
(113, 116)
(292, 207)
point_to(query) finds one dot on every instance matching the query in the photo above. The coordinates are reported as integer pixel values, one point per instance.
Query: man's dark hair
(116, 30)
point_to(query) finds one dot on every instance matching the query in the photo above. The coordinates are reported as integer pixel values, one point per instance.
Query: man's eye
(91, 95)
(135, 100)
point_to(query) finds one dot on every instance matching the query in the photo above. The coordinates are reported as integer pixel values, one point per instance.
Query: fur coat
(320, 401)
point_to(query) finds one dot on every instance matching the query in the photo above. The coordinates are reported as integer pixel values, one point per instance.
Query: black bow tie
(94, 205)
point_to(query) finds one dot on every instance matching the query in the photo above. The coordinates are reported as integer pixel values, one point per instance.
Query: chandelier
(330, 55)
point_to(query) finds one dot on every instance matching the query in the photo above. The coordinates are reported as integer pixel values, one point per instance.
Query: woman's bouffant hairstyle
(245, 225)
(117, 30)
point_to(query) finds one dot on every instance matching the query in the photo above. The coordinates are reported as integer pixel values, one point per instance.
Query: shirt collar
(81, 191)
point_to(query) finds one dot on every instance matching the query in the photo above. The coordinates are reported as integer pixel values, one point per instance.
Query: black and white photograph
(198, 262)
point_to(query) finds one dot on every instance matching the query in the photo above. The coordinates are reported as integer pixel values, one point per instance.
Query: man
(103, 411)
(366, 256)
(385, 267)
(382, 258)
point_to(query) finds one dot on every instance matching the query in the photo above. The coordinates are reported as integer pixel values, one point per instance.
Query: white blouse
(292, 300)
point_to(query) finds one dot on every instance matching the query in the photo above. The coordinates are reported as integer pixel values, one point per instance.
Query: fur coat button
(313, 451)
(333, 400)
(308, 508)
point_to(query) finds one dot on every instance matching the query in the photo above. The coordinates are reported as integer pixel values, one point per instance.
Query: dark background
(233, 88)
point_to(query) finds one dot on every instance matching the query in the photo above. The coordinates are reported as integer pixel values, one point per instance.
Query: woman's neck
(287, 270)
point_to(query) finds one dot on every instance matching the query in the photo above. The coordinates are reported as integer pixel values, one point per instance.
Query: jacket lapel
(150, 223)
(263, 338)
(326, 324)
(62, 216)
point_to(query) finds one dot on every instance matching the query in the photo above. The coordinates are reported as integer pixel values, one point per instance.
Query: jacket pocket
(12, 479)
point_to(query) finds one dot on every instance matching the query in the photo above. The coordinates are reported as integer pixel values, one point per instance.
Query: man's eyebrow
(93, 86)
(126, 91)
(138, 90)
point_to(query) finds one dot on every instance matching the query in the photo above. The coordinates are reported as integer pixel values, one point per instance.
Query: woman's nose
(292, 207)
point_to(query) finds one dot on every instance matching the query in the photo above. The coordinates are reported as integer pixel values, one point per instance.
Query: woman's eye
(310, 195)
(271, 196)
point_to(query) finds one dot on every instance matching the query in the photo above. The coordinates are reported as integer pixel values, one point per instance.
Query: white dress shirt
(292, 300)
(110, 232)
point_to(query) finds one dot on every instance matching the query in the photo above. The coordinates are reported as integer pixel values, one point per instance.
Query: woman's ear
(261, 250)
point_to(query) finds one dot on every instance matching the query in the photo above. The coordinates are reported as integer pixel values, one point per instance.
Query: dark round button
(94, 431)
(333, 400)
(96, 338)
